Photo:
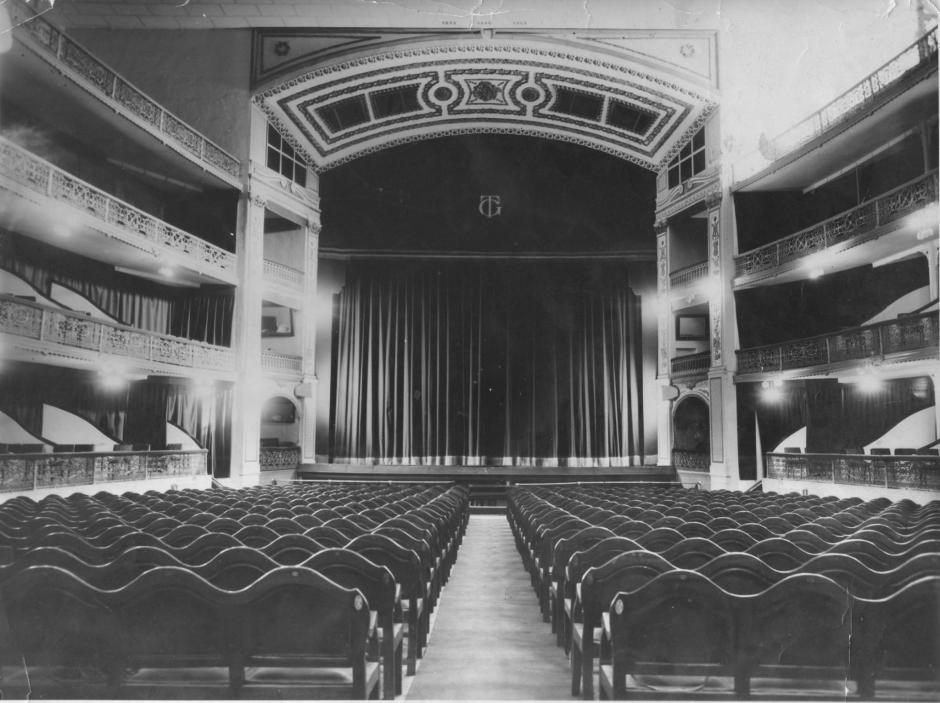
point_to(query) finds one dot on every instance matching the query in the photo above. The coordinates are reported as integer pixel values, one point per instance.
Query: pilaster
(308, 398)
(722, 393)
(246, 340)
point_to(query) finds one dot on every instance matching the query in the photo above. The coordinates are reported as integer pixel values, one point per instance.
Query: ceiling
(418, 14)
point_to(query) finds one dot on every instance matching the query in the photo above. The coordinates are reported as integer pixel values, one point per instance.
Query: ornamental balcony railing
(913, 471)
(855, 100)
(282, 275)
(29, 175)
(690, 365)
(279, 458)
(857, 225)
(691, 461)
(909, 333)
(688, 275)
(288, 364)
(27, 472)
(106, 85)
(50, 325)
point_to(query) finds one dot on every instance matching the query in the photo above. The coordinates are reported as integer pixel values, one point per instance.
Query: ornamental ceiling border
(523, 84)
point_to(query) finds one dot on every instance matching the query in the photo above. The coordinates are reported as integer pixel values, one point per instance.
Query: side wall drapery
(487, 363)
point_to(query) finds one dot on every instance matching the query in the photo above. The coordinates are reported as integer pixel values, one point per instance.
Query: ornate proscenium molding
(702, 188)
(528, 86)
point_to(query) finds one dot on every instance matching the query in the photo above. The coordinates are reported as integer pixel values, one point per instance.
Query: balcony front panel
(688, 276)
(849, 228)
(48, 327)
(282, 364)
(279, 458)
(918, 472)
(107, 86)
(690, 365)
(27, 472)
(911, 335)
(282, 276)
(690, 461)
(40, 182)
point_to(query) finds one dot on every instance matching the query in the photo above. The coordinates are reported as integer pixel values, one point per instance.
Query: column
(664, 316)
(722, 393)
(307, 391)
(246, 340)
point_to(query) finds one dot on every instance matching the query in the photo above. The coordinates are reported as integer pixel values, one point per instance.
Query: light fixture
(60, 230)
(166, 271)
(816, 273)
(772, 389)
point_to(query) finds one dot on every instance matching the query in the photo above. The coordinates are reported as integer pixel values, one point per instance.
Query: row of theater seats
(311, 590)
(734, 594)
(877, 451)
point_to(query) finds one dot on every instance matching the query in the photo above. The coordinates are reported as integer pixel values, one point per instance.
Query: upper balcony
(42, 332)
(795, 255)
(116, 115)
(907, 338)
(688, 276)
(894, 98)
(50, 204)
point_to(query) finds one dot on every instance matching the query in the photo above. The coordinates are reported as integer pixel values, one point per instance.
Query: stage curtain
(487, 363)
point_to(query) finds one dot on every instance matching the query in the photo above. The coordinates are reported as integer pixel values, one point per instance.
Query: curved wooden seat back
(292, 549)
(692, 552)
(329, 536)
(741, 573)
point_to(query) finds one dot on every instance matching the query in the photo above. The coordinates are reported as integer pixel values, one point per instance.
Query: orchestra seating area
(668, 592)
(307, 590)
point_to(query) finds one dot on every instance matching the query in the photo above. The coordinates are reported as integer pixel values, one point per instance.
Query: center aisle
(488, 639)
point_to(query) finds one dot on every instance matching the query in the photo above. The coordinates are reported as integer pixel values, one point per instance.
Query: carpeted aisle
(488, 639)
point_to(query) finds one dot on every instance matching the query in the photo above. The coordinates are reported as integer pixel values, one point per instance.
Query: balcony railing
(904, 334)
(27, 472)
(283, 275)
(105, 84)
(688, 275)
(134, 226)
(691, 461)
(854, 100)
(279, 458)
(52, 325)
(854, 224)
(282, 363)
(690, 365)
(919, 472)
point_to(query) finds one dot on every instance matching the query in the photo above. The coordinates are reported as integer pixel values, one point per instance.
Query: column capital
(713, 200)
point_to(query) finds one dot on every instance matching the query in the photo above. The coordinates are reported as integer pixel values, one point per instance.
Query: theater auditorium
(469, 349)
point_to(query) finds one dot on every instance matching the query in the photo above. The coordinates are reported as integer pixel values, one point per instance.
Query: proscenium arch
(601, 94)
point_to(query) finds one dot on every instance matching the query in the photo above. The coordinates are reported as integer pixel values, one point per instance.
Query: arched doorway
(691, 442)
(280, 435)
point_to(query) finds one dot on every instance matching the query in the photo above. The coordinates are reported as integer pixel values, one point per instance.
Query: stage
(487, 484)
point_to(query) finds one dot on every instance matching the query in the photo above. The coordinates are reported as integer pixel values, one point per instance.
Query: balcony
(880, 99)
(27, 472)
(688, 276)
(848, 229)
(277, 364)
(912, 471)
(906, 338)
(279, 458)
(40, 184)
(690, 366)
(50, 331)
(117, 95)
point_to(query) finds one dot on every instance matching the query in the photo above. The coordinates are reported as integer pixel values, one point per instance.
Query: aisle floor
(488, 640)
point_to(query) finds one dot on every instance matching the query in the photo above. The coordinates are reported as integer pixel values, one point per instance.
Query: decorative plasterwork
(662, 287)
(517, 86)
(691, 192)
(714, 266)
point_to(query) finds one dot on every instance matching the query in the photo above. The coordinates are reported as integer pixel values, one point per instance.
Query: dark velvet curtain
(486, 363)
(203, 314)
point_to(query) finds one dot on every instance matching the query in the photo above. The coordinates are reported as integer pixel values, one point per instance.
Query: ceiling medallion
(486, 92)
(490, 206)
